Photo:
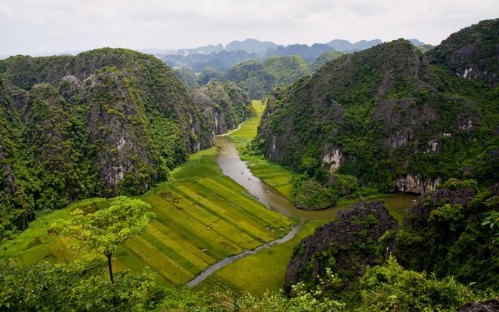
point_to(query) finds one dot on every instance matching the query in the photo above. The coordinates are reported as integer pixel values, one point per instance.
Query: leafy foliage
(451, 231)
(391, 288)
(104, 230)
(78, 286)
(492, 221)
(311, 195)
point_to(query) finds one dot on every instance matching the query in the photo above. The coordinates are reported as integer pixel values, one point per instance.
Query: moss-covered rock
(102, 123)
(345, 245)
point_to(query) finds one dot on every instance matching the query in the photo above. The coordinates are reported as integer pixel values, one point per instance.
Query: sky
(46, 26)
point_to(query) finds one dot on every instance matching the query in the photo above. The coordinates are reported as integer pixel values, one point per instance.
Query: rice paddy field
(201, 218)
(262, 271)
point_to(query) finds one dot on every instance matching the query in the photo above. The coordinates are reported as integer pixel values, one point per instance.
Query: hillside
(224, 106)
(258, 78)
(471, 53)
(101, 123)
(389, 116)
(236, 52)
(449, 232)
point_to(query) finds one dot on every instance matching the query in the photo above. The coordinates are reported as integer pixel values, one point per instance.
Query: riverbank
(269, 172)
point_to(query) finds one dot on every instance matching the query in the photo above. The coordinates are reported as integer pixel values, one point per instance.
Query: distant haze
(41, 26)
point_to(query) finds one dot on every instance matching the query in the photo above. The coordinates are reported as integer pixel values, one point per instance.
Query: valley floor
(202, 217)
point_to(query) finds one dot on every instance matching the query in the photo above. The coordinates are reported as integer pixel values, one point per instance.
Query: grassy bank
(270, 173)
(262, 271)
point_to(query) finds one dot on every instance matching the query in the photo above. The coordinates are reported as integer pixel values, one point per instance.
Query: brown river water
(228, 160)
(232, 166)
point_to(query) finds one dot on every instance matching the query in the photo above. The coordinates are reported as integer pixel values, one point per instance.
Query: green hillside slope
(390, 116)
(104, 122)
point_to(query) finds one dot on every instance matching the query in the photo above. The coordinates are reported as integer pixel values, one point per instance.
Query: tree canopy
(105, 229)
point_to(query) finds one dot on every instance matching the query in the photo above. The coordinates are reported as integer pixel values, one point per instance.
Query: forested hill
(104, 122)
(393, 117)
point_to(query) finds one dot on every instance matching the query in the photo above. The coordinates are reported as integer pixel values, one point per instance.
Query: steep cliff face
(224, 105)
(388, 116)
(345, 245)
(103, 122)
(472, 53)
(414, 184)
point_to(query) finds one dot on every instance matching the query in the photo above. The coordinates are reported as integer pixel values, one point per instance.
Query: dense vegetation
(114, 121)
(345, 246)
(258, 78)
(446, 233)
(80, 286)
(450, 232)
(202, 217)
(102, 123)
(471, 52)
(223, 105)
(392, 117)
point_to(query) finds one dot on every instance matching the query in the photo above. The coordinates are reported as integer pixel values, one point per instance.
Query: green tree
(103, 230)
(75, 286)
(392, 288)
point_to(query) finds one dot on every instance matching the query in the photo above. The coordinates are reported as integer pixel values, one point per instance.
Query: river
(232, 166)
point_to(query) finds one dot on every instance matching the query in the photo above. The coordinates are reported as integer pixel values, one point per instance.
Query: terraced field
(262, 271)
(202, 217)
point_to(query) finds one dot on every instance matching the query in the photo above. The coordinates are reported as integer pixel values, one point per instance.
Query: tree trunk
(110, 265)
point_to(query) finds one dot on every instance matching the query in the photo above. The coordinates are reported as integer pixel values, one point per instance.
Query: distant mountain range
(265, 47)
(222, 58)
(235, 52)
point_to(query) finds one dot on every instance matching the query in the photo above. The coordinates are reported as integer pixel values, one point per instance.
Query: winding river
(232, 166)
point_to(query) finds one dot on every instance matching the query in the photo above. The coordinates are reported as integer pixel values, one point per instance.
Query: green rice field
(262, 271)
(201, 218)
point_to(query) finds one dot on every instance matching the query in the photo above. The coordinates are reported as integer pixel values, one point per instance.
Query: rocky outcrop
(418, 215)
(345, 245)
(332, 158)
(102, 123)
(415, 184)
(389, 115)
(224, 105)
(471, 53)
(491, 305)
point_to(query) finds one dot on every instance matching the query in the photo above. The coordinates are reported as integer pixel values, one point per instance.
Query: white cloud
(32, 26)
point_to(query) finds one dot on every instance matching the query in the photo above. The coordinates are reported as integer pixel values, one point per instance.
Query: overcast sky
(39, 26)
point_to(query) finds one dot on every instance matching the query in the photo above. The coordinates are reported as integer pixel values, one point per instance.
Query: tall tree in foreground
(103, 230)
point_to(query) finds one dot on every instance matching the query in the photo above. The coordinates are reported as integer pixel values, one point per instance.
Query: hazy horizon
(40, 27)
